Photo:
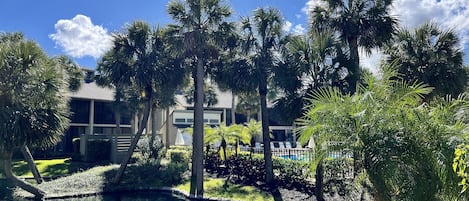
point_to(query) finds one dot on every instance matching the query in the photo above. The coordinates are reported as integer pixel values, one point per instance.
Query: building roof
(92, 91)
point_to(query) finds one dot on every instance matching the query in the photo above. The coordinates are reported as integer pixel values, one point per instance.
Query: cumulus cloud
(286, 27)
(451, 14)
(310, 4)
(79, 37)
(299, 29)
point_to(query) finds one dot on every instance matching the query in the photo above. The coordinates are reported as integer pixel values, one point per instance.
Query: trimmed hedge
(98, 150)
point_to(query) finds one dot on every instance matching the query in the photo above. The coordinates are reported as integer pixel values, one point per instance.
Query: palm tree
(308, 62)
(141, 62)
(33, 108)
(360, 23)
(405, 147)
(262, 35)
(197, 23)
(430, 55)
(253, 129)
(248, 104)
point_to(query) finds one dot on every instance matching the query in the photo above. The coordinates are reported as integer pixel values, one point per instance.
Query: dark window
(103, 113)
(214, 121)
(80, 110)
(190, 120)
(179, 120)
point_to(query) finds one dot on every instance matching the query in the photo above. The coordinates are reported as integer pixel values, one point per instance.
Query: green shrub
(98, 150)
(179, 156)
(149, 152)
(173, 173)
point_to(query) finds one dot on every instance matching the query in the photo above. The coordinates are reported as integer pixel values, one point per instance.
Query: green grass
(215, 188)
(97, 179)
(47, 168)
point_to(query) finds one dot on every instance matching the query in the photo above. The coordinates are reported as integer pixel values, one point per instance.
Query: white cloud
(79, 37)
(371, 61)
(299, 29)
(298, 16)
(286, 27)
(453, 14)
(450, 14)
(311, 4)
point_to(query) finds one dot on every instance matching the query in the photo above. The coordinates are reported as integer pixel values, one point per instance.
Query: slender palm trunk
(269, 176)
(154, 129)
(142, 125)
(7, 164)
(29, 158)
(354, 69)
(233, 108)
(196, 189)
(167, 129)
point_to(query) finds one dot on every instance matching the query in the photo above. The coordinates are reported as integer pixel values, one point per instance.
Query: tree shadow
(6, 190)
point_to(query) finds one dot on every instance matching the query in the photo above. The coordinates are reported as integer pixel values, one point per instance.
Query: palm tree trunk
(167, 129)
(7, 155)
(142, 125)
(29, 158)
(354, 69)
(269, 176)
(153, 124)
(196, 189)
(233, 108)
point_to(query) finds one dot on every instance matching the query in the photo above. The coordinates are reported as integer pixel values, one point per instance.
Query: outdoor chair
(281, 145)
(288, 145)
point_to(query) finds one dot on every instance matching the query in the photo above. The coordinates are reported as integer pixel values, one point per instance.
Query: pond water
(130, 196)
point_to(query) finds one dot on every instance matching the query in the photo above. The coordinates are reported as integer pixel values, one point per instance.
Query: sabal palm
(33, 108)
(430, 55)
(262, 34)
(360, 23)
(197, 22)
(138, 61)
(308, 62)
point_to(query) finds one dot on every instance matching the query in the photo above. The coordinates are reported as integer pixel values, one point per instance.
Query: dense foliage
(406, 146)
(431, 55)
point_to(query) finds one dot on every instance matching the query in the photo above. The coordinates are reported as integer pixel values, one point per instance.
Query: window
(80, 110)
(214, 121)
(179, 120)
(103, 113)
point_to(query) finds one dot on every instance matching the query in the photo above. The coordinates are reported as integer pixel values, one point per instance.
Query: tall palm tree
(308, 62)
(430, 55)
(33, 108)
(142, 64)
(262, 35)
(197, 22)
(360, 23)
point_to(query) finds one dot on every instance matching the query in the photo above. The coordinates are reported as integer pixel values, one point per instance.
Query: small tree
(33, 108)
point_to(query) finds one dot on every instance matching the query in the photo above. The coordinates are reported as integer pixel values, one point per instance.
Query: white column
(91, 119)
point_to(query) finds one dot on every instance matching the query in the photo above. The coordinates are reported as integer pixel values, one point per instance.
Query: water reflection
(131, 196)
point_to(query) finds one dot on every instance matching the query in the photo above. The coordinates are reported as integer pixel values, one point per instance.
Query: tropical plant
(308, 62)
(33, 108)
(196, 31)
(261, 37)
(253, 129)
(225, 135)
(360, 23)
(405, 147)
(430, 55)
(139, 60)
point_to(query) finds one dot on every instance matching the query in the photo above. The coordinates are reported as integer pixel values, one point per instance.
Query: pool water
(130, 196)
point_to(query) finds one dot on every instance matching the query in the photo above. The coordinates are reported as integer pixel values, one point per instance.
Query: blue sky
(81, 29)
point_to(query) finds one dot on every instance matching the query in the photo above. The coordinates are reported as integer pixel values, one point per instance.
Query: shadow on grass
(147, 176)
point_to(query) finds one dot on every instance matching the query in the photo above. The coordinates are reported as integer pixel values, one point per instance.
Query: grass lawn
(97, 179)
(214, 187)
(48, 168)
